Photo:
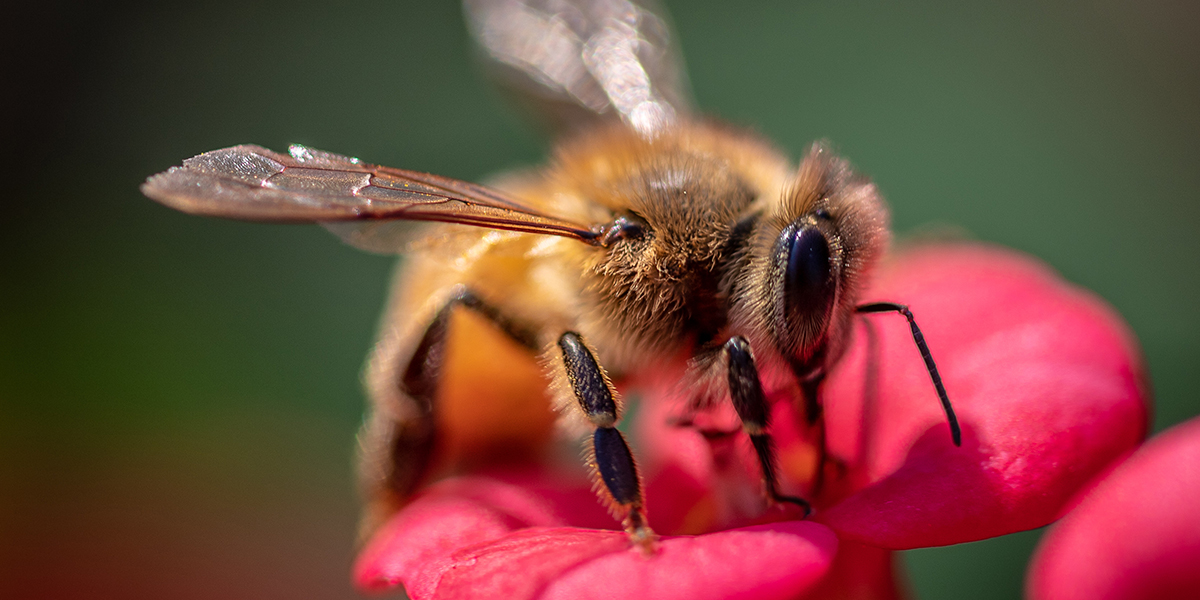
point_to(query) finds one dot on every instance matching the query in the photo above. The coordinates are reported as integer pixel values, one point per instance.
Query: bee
(653, 238)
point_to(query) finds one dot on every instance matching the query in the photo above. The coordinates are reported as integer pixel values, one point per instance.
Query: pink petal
(863, 573)
(780, 560)
(1136, 534)
(520, 565)
(1045, 377)
(482, 537)
(689, 489)
(416, 545)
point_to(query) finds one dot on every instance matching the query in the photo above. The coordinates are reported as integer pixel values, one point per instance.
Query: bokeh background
(179, 396)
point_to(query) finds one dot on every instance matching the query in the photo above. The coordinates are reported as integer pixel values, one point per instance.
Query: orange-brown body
(682, 290)
(655, 250)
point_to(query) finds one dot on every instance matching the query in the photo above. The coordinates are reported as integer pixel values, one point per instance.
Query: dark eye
(823, 214)
(808, 284)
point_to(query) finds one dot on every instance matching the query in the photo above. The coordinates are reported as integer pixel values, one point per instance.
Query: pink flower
(1047, 384)
(1136, 534)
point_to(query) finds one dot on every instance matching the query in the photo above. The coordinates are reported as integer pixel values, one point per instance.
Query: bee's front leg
(611, 461)
(746, 391)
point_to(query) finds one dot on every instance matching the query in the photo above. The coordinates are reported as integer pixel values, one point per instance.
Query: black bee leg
(877, 307)
(751, 404)
(398, 438)
(610, 459)
(814, 414)
(421, 376)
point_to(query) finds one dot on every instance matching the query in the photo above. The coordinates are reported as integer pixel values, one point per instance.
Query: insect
(652, 234)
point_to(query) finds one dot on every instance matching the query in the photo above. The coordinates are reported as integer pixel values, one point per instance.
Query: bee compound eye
(808, 286)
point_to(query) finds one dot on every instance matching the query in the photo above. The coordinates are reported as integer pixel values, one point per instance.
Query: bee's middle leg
(746, 391)
(398, 439)
(611, 458)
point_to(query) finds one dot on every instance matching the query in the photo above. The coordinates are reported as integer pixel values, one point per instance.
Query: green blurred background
(179, 396)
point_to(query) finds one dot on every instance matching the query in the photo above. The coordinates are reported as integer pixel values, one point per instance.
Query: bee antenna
(878, 307)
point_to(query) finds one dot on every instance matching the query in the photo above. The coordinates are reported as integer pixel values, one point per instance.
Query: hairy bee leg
(751, 404)
(611, 458)
(919, 338)
(408, 439)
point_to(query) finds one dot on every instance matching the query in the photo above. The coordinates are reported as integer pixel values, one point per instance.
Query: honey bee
(652, 234)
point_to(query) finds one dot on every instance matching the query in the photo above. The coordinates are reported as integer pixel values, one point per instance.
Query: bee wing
(576, 61)
(351, 197)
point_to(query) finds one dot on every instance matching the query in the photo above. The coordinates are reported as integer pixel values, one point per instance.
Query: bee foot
(644, 540)
(795, 508)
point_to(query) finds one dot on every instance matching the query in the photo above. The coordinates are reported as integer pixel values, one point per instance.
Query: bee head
(809, 258)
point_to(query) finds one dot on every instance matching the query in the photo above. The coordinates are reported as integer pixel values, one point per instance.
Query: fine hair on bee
(656, 246)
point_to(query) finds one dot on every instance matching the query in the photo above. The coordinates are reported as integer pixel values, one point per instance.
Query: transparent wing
(576, 61)
(351, 197)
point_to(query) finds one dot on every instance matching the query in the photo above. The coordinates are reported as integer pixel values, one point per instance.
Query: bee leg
(610, 458)
(751, 404)
(919, 338)
(814, 413)
(398, 438)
